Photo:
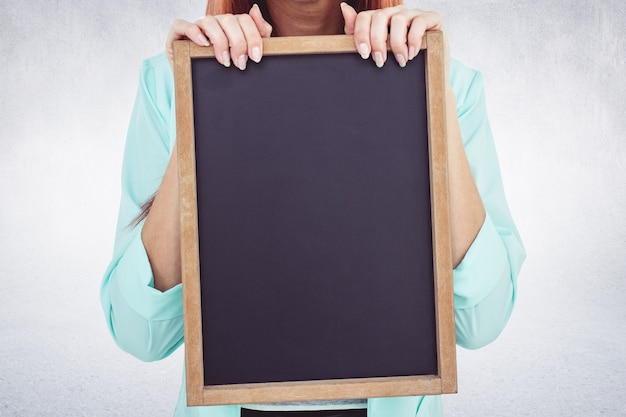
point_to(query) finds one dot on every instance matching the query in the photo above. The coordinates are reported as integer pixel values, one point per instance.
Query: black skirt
(321, 413)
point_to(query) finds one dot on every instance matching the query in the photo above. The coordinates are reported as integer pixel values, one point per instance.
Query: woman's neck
(305, 17)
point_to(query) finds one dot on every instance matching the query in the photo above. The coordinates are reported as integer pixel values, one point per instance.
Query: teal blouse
(148, 323)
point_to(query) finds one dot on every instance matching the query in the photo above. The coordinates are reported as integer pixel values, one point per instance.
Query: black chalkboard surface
(308, 256)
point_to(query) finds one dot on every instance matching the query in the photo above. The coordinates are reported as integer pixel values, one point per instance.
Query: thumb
(349, 18)
(265, 29)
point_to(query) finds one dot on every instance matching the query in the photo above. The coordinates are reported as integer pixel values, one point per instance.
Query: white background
(554, 75)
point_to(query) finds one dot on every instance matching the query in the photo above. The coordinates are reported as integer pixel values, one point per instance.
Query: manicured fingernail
(364, 51)
(378, 59)
(256, 54)
(202, 39)
(241, 62)
(226, 59)
(401, 60)
(412, 53)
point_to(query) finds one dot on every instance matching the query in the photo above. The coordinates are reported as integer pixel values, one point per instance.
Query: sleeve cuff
(137, 285)
(482, 268)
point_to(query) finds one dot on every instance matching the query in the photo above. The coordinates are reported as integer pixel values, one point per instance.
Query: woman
(141, 291)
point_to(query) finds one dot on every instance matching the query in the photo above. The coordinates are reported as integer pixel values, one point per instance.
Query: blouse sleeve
(144, 321)
(485, 281)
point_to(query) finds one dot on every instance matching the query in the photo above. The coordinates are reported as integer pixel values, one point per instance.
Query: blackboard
(310, 204)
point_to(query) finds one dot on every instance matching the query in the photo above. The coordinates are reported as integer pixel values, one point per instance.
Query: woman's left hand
(403, 28)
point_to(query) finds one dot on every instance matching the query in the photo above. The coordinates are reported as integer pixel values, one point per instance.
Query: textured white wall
(555, 88)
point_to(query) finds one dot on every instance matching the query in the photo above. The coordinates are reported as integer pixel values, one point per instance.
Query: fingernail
(226, 59)
(378, 59)
(412, 53)
(256, 54)
(202, 39)
(401, 60)
(364, 51)
(241, 62)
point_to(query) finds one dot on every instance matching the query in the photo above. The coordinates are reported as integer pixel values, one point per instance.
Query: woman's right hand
(234, 37)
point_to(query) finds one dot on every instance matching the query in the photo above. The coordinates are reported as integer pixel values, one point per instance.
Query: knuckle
(181, 22)
(226, 18)
(244, 17)
(203, 20)
(238, 45)
(361, 33)
(379, 14)
(380, 19)
(397, 44)
(219, 40)
(180, 26)
(252, 40)
(418, 22)
(399, 19)
(192, 30)
(414, 38)
(434, 14)
(379, 39)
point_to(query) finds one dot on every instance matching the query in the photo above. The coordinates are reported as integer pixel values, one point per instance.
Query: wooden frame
(443, 382)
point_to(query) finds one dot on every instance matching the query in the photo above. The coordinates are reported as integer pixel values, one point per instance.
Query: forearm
(480, 324)
(467, 213)
(145, 322)
(161, 231)
(487, 249)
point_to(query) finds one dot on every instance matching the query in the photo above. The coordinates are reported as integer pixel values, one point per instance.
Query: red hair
(215, 7)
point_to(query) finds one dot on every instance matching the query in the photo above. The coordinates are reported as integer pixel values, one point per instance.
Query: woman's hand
(234, 37)
(403, 28)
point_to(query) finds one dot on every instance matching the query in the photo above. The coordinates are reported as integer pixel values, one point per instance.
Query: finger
(236, 39)
(379, 32)
(419, 25)
(252, 36)
(182, 29)
(362, 27)
(349, 18)
(262, 29)
(212, 29)
(414, 38)
(265, 29)
(398, 30)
